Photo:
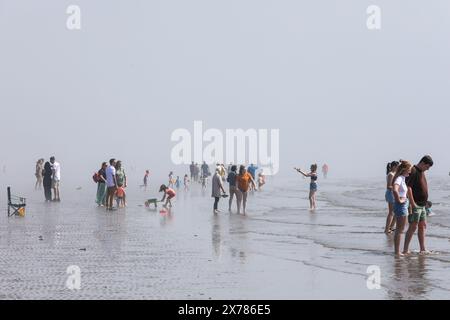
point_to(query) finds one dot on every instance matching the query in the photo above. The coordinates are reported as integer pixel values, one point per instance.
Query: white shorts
(55, 184)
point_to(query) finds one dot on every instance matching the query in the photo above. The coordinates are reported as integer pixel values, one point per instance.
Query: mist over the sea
(136, 71)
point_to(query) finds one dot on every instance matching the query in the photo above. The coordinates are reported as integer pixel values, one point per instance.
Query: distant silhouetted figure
(192, 170)
(147, 173)
(325, 170)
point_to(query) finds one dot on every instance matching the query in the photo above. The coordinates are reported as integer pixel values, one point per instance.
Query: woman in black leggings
(47, 181)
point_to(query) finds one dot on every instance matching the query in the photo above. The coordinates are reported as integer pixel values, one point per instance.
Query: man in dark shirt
(418, 197)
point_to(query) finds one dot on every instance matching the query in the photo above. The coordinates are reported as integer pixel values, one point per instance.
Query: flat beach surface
(279, 250)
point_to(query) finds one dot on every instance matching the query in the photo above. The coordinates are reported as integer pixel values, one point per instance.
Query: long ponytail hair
(391, 165)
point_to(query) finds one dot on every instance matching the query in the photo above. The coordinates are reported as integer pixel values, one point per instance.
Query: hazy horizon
(138, 70)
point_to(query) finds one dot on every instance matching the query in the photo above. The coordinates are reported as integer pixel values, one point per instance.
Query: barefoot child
(169, 193)
(120, 196)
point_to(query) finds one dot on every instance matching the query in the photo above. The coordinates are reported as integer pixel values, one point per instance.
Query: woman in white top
(400, 190)
(389, 196)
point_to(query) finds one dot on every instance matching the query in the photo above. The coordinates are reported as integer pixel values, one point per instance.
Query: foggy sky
(137, 70)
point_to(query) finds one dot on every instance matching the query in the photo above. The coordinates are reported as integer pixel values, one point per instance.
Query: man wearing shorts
(56, 178)
(111, 183)
(418, 197)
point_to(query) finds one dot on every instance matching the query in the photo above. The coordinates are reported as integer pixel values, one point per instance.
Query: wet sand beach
(279, 250)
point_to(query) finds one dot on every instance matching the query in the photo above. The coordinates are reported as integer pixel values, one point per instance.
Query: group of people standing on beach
(407, 198)
(111, 182)
(48, 175)
(240, 184)
(406, 190)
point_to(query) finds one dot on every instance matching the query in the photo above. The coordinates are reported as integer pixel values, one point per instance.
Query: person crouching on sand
(401, 204)
(168, 193)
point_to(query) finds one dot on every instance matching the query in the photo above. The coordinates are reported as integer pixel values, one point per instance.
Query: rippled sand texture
(278, 251)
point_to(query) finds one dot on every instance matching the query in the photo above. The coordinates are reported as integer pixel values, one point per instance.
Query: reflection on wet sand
(238, 226)
(223, 237)
(410, 277)
(110, 231)
(166, 217)
(278, 250)
(215, 236)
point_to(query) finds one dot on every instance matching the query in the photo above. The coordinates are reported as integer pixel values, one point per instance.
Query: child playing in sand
(120, 196)
(169, 193)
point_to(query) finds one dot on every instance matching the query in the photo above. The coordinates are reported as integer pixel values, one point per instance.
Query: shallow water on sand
(279, 250)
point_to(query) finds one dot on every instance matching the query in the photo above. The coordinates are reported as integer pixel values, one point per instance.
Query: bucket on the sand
(21, 212)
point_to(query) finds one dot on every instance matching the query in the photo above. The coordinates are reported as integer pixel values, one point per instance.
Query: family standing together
(407, 198)
(111, 182)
